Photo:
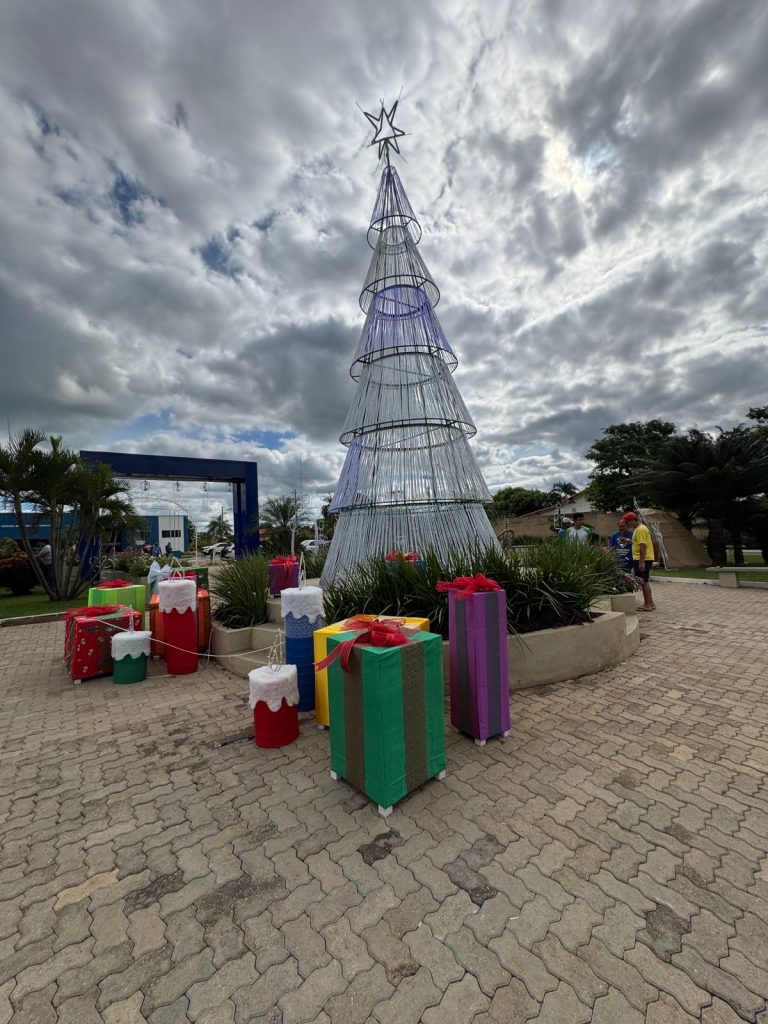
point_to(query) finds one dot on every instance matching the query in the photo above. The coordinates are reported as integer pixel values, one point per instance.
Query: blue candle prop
(302, 610)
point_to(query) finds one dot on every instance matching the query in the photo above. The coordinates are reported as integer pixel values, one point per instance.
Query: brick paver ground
(607, 862)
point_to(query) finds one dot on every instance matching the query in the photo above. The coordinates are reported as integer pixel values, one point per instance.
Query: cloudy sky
(186, 188)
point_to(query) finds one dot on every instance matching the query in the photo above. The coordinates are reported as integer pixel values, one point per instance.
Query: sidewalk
(607, 862)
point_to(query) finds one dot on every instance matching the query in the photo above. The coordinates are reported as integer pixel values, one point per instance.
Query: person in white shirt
(579, 532)
(45, 558)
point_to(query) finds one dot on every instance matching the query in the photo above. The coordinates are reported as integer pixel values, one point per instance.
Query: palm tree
(283, 517)
(710, 477)
(219, 529)
(81, 504)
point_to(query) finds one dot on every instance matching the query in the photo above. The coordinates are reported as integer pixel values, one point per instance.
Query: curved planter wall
(552, 655)
(547, 656)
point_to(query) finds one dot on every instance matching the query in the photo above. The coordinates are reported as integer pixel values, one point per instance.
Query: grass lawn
(36, 603)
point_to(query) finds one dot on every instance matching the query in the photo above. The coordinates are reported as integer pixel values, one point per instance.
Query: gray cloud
(186, 193)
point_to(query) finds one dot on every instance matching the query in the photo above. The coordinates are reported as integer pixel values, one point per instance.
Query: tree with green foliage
(80, 504)
(619, 456)
(720, 478)
(510, 502)
(562, 491)
(283, 517)
(218, 528)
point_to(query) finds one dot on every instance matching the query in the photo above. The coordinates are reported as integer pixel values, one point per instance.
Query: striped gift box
(477, 643)
(322, 713)
(387, 728)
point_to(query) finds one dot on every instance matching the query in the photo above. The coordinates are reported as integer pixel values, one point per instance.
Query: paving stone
(260, 997)
(511, 1003)
(355, 1003)
(668, 978)
(388, 950)
(109, 928)
(435, 955)
(265, 941)
(666, 1011)
(221, 985)
(619, 929)
(146, 929)
(305, 944)
(128, 1011)
(618, 973)
(563, 1005)
(576, 924)
(39, 976)
(524, 965)
(614, 1009)
(461, 1001)
(135, 978)
(477, 960)
(225, 939)
(173, 1013)
(409, 1001)
(720, 983)
(304, 1004)
(75, 893)
(36, 1007)
(719, 1012)
(347, 948)
(83, 979)
(450, 915)
(532, 922)
(569, 967)
(80, 1010)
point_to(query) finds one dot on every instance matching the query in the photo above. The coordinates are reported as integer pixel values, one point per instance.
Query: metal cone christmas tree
(410, 481)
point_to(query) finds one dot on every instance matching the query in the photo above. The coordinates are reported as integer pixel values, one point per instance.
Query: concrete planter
(626, 603)
(552, 655)
(240, 650)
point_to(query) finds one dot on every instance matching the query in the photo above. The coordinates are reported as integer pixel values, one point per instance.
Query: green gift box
(387, 725)
(135, 595)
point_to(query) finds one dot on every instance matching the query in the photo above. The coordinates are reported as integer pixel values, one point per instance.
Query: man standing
(45, 557)
(565, 525)
(620, 544)
(642, 557)
(579, 532)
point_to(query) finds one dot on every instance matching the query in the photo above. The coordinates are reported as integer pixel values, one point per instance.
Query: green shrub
(550, 584)
(17, 574)
(240, 589)
(314, 563)
(8, 548)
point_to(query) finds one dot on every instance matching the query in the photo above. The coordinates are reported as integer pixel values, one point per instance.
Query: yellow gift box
(321, 651)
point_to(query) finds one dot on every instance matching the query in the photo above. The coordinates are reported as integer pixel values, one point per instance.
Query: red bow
(287, 562)
(466, 586)
(378, 634)
(397, 555)
(109, 584)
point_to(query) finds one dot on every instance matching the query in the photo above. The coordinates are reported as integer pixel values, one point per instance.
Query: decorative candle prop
(130, 653)
(178, 607)
(274, 698)
(302, 610)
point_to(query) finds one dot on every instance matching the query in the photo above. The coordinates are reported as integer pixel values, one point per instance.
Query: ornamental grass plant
(240, 590)
(549, 584)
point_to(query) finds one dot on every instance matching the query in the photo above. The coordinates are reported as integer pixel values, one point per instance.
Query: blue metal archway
(242, 475)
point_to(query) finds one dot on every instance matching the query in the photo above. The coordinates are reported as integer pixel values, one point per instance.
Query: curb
(32, 620)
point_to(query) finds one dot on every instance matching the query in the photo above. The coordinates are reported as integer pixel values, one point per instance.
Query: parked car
(312, 547)
(222, 548)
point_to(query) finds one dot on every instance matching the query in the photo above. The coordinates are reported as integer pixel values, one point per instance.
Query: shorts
(645, 575)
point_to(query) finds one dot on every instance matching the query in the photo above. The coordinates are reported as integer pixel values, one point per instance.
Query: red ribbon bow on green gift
(378, 634)
(466, 586)
(287, 562)
(110, 584)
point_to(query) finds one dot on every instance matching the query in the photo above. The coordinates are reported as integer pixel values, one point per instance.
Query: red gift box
(88, 636)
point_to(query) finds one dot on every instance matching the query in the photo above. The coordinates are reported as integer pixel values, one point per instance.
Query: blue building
(161, 529)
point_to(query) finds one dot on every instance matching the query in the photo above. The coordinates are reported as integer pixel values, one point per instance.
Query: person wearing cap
(620, 546)
(565, 525)
(642, 557)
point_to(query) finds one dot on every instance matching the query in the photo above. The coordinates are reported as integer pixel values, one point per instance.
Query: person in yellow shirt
(642, 557)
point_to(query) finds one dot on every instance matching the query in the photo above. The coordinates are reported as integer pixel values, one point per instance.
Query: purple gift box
(281, 577)
(477, 635)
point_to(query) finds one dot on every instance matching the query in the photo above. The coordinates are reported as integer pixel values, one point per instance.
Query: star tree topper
(386, 133)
